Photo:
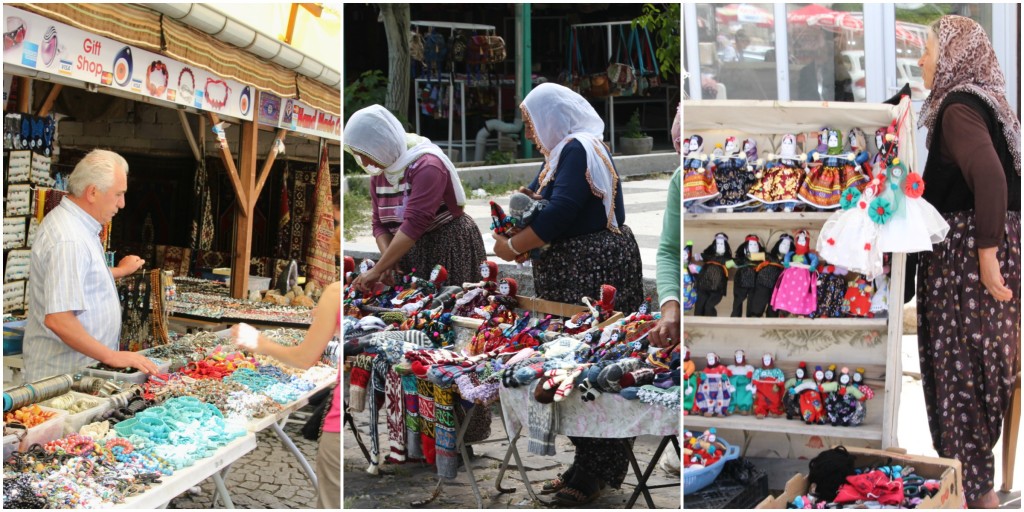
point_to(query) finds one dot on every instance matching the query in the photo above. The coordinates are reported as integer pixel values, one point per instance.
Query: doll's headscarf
(559, 116)
(376, 133)
(967, 63)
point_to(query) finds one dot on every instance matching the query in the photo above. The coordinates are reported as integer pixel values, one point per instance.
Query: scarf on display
(396, 416)
(377, 385)
(412, 418)
(444, 415)
(321, 267)
(202, 218)
(376, 133)
(425, 390)
(558, 116)
(967, 63)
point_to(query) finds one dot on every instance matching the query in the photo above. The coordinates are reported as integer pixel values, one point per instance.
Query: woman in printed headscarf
(590, 245)
(417, 200)
(968, 291)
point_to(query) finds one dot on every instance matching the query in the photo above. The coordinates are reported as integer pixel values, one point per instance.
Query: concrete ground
(405, 483)
(645, 206)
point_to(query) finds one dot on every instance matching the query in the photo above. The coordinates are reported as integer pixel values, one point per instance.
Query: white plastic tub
(73, 422)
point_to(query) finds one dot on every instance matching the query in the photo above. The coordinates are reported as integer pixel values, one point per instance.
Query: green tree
(662, 21)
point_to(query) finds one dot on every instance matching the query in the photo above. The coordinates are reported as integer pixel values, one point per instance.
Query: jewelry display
(159, 86)
(217, 103)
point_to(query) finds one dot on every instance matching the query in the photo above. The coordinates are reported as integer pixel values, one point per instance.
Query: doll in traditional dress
(845, 408)
(811, 398)
(882, 156)
(714, 275)
(769, 383)
(733, 176)
(715, 390)
(502, 304)
(741, 375)
(689, 383)
(831, 290)
(796, 291)
(768, 273)
(791, 401)
(830, 174)
(857, 301)
(698, 180)
(690, 270)
(859, 148)
(849, 237)
(477, 293)
(908, 222)
(858, 380)
(780, 178)
(749, 254)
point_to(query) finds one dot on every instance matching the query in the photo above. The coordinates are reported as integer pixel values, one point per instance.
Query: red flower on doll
(831, 241)
(867, 246)
(914, 185)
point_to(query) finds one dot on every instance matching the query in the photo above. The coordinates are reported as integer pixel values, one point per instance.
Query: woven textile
(444, 413)
(396, 417)
(425, 389)
(320, 258)
(412, 418)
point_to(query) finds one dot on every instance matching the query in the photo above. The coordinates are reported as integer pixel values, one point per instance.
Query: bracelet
(513, 249)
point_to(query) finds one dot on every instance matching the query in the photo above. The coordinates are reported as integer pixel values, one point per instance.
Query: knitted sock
(544, 396)
(444, 412)
(425, 389)
(444, 374)
(587, 390)
(396, 417)
(611, 375)
(543, 421)
(640, 377)
(528, 373)
(419, 369)
(358, 380)
(663, 380)
(630, 393)
(412, 418)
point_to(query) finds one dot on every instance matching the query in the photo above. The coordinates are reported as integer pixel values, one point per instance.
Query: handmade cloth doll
(834, 173)
(715, 390)
(859, 148)
(690, 383)
(714, 276)
(857, 301)
(502, 304)
(882, 155)
(780, 178)
(858, 380)
(768, 273)
(810, 397)
(741, 375)
(522, 209)
(476, 293)
(733, 176)
(698, 180)
(749, 254)
(769, 383)
(796, 291)
(690, 269)
(791, 401)
(849, 237)
(845, 408)
(880, 299)
(908, 222)
(831, 291)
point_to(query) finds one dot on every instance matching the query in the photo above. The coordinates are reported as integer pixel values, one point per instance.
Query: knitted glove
(638, 377)
(613, 373)
(587, 390)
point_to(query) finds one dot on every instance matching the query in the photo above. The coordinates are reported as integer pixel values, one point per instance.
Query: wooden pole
(229, 163)
(50, 99)
(188, 135)
(267, 164)
(244, 213)
(24, 95)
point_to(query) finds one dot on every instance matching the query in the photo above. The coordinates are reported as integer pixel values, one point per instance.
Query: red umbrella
(805, 15)
(906, 34)
(842, 21)
(744, 13)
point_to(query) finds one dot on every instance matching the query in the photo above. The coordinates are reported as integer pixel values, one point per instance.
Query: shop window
(826, 52)
(912, 29)
(737, 51)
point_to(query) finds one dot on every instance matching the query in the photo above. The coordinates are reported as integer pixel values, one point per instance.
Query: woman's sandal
(556, 484)
(575, 497)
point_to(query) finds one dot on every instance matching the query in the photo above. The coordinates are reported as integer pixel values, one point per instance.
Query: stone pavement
(399, 485)
(645, 207)
(267, 477)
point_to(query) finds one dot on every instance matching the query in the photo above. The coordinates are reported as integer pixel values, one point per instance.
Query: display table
(182, 480)
(609, 417)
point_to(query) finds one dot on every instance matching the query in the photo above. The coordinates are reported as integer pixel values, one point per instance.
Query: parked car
(907, 72)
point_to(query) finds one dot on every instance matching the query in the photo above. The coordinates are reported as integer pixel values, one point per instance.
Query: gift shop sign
(294, 115)
(39, 43)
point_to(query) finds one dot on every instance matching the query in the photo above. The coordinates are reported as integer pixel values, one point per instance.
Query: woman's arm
(307, 353)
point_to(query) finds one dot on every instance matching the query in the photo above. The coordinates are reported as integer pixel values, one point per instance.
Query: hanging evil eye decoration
(123, 67)
(245, 101)
(270, 107)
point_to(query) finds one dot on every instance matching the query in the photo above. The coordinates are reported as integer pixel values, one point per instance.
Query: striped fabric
(127, 23)
(68, 274)
(391, 200)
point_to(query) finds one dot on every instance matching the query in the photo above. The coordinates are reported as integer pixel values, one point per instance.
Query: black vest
(945, 186)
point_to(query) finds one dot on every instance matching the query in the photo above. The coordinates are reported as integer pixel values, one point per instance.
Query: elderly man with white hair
(74, 316)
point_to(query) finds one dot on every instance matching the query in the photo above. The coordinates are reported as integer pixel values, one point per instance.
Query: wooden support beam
(267, 164)
(229, 163)
(188, 135)
(244, 213)
(50, 99)
(24, 95)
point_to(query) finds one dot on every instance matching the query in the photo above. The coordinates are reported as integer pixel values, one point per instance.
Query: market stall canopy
(144, 28)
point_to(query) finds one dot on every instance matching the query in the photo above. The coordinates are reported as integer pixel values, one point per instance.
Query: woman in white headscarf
(589, 245)
(417, 200)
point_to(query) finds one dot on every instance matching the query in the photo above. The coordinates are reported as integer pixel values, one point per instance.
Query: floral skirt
(968, 344)
(438, 247)
(825, 184)
(577, 267)
(733, 182)
(698, 186)
(779, 184)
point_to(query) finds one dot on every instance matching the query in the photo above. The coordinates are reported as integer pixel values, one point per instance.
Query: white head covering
(559, 116)
(376, 133)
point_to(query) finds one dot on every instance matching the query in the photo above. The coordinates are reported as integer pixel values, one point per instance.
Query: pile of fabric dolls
(701, 451)
(788, 279)
(405, 359)
(739, 388)
(836, 482)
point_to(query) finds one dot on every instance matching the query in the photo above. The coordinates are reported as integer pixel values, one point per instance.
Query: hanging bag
(621, 74)
(416, 46)
(641, 72)
(653, 76)
(600, 86)
(486, 50)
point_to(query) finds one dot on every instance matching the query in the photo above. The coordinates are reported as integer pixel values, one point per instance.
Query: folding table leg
(514, 452)
(222, 490)
(641, 476)
(290, 445)
(461, 444)
(355, 432)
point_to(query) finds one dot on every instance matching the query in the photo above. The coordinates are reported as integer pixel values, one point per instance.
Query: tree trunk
(396, 25)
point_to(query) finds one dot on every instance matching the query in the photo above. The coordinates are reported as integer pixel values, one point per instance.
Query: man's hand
(124, 359)
(128, 265)
(666, 333)
(991, 276)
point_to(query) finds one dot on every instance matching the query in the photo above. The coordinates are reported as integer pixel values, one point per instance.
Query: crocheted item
(657, 396)
(396, 417)
(444, 412)
(414, 450)
(358, 380)
(543, 420)
(425, 390)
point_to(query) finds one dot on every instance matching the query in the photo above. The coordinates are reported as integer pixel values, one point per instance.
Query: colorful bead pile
(29, 416)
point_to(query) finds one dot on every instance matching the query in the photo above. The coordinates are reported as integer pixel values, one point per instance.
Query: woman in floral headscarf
(417, 201)
(590, 245)
(968, 287)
